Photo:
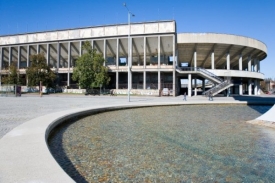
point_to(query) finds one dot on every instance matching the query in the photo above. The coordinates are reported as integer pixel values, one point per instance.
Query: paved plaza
(17, 110)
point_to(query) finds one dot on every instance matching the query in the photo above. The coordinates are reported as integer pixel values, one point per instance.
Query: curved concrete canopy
(205, 43)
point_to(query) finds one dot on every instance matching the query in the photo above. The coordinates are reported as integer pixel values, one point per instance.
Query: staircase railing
(210, 74)
(218, 87)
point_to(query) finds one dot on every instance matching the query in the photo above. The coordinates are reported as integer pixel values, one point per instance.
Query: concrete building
(159, 57)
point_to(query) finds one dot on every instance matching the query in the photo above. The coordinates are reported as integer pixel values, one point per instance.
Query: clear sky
(251, 18)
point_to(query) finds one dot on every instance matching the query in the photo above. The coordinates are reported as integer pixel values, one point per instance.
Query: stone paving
(17, 110)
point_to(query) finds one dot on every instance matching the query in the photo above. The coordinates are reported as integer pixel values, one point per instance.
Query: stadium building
(157, 57)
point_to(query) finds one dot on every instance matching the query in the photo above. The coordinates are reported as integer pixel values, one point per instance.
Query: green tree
(13, 75)
(90, 71)
(39, 71)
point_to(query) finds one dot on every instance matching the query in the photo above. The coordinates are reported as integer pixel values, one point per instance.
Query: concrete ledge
(24, 153)
(267, 119)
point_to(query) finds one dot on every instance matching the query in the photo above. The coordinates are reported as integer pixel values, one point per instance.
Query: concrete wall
(220, 39)
(91, 32)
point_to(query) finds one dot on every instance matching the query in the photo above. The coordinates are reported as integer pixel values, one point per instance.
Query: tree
(90, 71)
(39, 71)
(13, 75)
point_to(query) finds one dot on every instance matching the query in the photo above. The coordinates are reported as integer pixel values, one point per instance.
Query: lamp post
(129, 41)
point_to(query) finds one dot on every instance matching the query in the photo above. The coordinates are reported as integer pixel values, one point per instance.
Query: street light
(129, 57)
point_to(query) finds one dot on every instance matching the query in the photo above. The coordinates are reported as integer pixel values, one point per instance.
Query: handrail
(200, 69)
(217, 87)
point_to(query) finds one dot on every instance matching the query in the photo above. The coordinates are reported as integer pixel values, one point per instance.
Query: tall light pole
(129, 48)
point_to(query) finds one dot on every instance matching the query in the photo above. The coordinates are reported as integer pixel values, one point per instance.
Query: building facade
(158, 57)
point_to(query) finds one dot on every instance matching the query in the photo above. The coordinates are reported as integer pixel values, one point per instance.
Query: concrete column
(213, 60)
(58, 55)
(256, 65)
(241, 89)
(158, 51)
(10, 55)
(241, 62)
(228, 61)
(37, 49)
(117, 79)
(159, 80)
(80, 48)
(203, 85)
(117, 53)
(195, 91)
(249, 87)
(144, 80)
(259, 87)
(130, 62)
(259, 68)
(69, 63)
(104, 51)
(144, 53)
(18, 57)
(249, 63)
(255, 87)
(174, 67)
(195, 59)
(28, 56)
(48, 54)
(189, 85)
(1, 60)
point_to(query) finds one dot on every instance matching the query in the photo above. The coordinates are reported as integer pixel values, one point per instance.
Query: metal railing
(200, 69)
(217, 88)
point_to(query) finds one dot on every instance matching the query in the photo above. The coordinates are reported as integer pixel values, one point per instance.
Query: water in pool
(187, 143)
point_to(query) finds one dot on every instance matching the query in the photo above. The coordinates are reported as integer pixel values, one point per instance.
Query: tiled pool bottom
(188, 143)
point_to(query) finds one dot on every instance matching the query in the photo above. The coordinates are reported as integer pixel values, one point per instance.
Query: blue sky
(251, 18)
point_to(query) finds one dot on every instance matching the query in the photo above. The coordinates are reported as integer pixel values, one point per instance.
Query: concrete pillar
(58, 55)
(241, 89)
(80, 48)
(117, 79)
(249, 87)
(249, 63)
(104, 51)
(195, 91)
(48, 54)
(195, 60)
(189, 85)
(144, 53)
(117, 53)
(256, 65)
(18, 57)
(259, 68)
(1, 60)
(159, 80)
(203, 85)
(10, 55)
(213, 60)
(37, 49)
(255, 87)
(228, 61)
(28, 56)
(174, 67)
(130, 62)
(69, 63)
(241, 62)
(158, 51)
(144, 80)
